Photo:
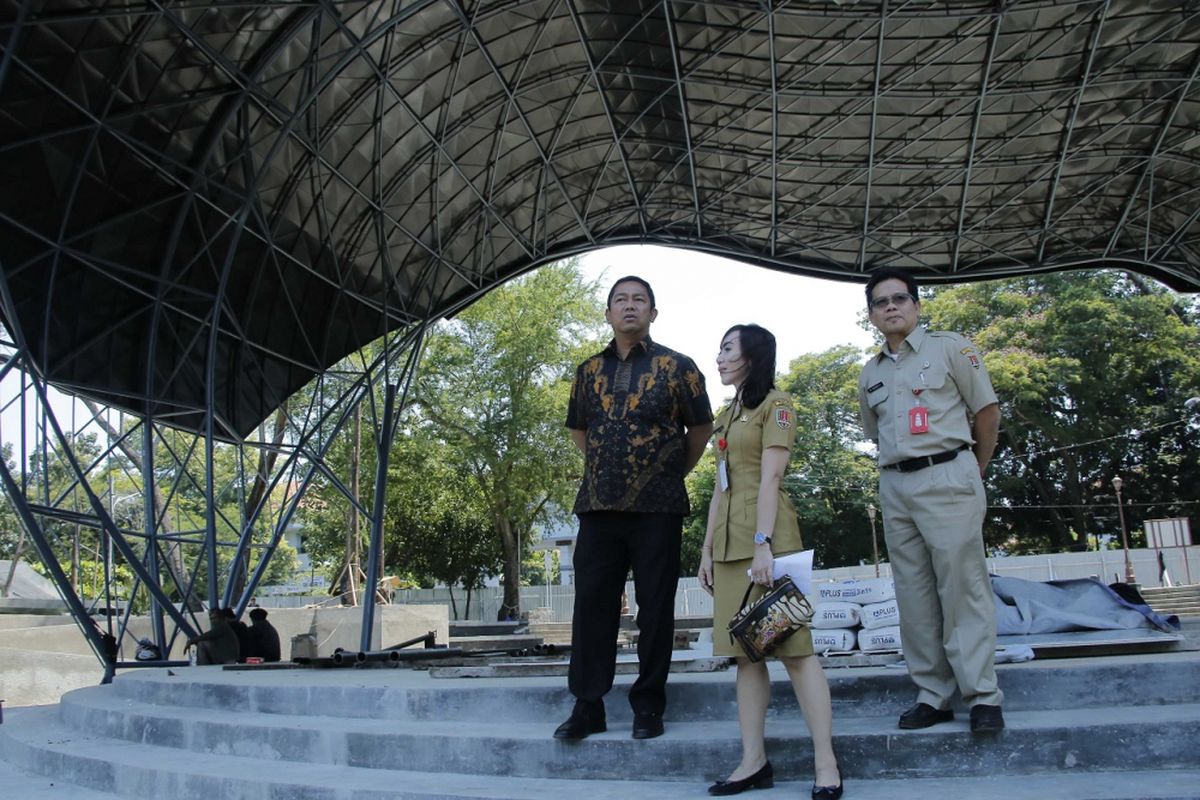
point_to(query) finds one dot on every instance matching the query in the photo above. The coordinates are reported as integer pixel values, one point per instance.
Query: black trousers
(610, 543)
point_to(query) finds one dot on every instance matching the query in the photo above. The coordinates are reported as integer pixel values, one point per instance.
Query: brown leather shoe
(922, 715)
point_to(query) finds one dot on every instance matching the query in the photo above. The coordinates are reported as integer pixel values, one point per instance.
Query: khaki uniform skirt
(729, 584)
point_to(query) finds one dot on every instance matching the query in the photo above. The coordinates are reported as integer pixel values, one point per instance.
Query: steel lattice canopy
(204, 205)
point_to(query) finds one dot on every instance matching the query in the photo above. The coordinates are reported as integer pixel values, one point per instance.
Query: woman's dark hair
(758, 345)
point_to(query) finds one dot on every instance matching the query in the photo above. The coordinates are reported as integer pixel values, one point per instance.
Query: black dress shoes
(986, 719)
(827, 792)
(647, 725)
(763, 779)
(922, 715)
(581, 723)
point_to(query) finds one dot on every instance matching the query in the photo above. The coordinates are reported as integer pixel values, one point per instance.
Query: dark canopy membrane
(204, 205)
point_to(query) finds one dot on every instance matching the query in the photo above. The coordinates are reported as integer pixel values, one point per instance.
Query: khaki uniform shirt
(772, 424)
(948, 373)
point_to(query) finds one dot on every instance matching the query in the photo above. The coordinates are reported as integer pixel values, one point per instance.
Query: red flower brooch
(721, 445)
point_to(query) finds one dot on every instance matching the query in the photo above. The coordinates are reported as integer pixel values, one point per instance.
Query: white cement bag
(836, 615)
(881, 615)
(833, 639)
(879, 638)
(867, 590)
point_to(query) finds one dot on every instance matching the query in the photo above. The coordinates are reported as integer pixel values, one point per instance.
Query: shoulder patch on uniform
(783, 418)
(781, 402)
(874, 387)
(967, 349)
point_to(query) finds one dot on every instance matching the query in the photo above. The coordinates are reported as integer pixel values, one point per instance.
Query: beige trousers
(933, 525)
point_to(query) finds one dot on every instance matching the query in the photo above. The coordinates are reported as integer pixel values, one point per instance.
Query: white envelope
(798, 566)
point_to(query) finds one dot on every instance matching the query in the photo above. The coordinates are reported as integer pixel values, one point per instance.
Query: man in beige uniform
(928, 403)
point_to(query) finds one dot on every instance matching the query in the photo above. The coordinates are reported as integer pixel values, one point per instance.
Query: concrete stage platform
(1095, 727)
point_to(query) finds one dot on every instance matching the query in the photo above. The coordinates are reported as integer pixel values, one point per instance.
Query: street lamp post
(874, 541)
(1130, 578)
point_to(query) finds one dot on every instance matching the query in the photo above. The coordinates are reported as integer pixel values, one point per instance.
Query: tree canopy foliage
(1092, 370)
(830, 479)
(481, 457)
(493, 389)
(116, 479)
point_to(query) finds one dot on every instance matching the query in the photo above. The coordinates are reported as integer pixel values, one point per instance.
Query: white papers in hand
(798, 566)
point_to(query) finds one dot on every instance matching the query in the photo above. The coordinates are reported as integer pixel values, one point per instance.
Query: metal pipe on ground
(346, 658)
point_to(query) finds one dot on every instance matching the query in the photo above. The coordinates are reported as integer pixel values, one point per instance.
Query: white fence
(692, 601)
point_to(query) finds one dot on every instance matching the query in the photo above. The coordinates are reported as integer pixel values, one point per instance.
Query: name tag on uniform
(722, 476)
(918, 419)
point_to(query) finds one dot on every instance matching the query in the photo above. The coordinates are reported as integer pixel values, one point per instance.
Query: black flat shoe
(827, 792)
(763, 779)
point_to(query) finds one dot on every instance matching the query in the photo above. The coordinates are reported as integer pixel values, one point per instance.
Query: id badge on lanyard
(918, 415)
(722, 465)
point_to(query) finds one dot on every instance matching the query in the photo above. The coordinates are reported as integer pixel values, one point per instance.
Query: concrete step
(1148, 679)
(1035, 741)
(108, 768)
(1169, 591)
(1181, 610)
(1178, 600)
(209, 733)
(31, 786)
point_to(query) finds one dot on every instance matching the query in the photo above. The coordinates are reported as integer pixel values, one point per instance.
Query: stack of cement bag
(856, 614)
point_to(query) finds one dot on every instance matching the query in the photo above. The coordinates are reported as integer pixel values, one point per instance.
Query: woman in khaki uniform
(750, 519)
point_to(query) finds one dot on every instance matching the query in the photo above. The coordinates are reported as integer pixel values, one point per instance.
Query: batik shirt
(635, 412)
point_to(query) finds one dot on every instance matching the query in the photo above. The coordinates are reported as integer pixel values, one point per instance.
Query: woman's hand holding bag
(776, 615)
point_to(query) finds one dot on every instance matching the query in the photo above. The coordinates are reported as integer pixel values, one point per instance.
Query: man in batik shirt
(641, 417)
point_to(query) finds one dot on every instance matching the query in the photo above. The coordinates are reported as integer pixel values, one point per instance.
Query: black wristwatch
(761, 538)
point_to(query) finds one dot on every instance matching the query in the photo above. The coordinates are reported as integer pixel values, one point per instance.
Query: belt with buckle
(921, 462)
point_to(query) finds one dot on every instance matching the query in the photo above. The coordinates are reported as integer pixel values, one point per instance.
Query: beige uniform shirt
(772, 424)
(940, 371)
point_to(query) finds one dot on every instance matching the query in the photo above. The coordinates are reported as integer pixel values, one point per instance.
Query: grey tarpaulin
(1024, 607)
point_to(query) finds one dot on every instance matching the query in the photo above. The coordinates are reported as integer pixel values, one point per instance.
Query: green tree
(830, 479)
(700, 483)
(10, 524)
(437, 522)
(1092, 370)
(493, 387)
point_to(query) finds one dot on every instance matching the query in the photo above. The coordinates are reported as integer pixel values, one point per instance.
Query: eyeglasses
(898, 299)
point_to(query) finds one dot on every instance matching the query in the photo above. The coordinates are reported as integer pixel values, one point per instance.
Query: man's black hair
(635, 278)
(258, 614)
(888, 273)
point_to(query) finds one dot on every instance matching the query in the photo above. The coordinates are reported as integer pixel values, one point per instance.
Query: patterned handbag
(773, 618)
